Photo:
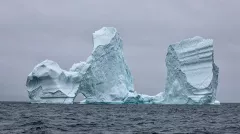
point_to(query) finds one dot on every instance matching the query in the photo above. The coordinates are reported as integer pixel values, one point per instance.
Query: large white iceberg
(108, 78)
(48, 83)
(192, 76)
(103, 78)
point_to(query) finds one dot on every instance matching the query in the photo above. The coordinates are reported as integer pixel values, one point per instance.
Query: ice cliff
(192, 76)
(108, 78)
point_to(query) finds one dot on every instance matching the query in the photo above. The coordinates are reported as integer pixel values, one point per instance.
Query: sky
(60, 30)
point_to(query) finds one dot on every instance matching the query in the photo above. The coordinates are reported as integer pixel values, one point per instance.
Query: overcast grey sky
(61, 30)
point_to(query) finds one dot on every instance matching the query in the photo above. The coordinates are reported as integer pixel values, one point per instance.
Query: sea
(23, 117)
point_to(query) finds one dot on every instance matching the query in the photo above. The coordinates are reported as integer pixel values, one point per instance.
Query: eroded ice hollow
(48, 83)
(192, 76)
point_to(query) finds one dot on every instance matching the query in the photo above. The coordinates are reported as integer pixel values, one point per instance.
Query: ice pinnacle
(192, 76)
(108, 78)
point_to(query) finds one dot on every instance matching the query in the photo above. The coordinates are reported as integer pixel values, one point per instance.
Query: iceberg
(105, 78)
(48, 83)
(108, 78)
(192, 75)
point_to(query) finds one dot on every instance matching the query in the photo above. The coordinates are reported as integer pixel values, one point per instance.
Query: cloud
(32, 31)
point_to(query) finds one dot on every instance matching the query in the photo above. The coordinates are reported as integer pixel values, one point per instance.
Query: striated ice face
(191, 72)
(196, 60)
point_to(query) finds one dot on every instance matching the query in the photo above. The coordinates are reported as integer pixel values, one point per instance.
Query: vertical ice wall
(192, 76)
(108, 78)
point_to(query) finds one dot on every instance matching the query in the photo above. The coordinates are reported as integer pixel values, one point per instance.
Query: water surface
(76, 118)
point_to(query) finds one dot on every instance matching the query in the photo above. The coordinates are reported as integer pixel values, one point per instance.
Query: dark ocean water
(61, 119)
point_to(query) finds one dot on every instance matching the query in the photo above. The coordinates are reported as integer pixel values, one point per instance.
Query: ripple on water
(43, 118)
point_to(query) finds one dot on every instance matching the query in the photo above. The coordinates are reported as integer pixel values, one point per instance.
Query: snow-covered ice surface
(192, 76)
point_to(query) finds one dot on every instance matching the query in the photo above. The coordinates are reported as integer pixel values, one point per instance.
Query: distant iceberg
(192, 76)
